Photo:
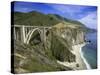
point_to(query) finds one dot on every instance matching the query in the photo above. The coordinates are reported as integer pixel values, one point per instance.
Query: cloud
(90, 20)
(67, 8)
(73, 11)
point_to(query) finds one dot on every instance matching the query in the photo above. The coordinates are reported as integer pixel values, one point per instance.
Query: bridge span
(24, 33)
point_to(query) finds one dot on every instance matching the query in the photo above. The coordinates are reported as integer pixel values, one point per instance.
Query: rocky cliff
(63, 38)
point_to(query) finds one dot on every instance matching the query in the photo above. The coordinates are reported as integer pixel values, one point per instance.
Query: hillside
(33, 18)
(60, 18)
(35, 57)
(40, 19)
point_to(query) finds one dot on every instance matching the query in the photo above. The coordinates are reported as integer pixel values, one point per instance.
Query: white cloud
(73, 11)
(69, 8)
(90, 20)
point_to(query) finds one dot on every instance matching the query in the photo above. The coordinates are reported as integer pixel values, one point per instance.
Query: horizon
(84, 14)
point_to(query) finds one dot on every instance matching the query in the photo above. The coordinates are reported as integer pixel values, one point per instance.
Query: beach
(80, 63)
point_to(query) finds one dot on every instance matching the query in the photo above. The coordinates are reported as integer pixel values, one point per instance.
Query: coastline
(81, 63)
(84, 59)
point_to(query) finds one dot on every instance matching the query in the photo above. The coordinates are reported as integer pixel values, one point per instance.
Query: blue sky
(85, 14)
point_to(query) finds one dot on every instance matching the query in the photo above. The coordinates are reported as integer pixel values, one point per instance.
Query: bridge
(24, 33)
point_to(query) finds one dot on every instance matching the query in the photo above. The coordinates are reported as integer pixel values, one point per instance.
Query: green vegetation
(33, 18)
(34, 58)
(39, 19)
(60, 18)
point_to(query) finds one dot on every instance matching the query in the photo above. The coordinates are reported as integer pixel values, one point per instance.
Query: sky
(85, 14)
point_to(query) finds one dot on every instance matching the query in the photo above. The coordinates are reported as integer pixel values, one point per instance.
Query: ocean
(90, 50)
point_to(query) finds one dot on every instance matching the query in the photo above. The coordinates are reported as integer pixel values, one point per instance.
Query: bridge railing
(31, 26)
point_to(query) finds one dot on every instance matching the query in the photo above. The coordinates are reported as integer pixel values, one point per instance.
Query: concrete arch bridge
(24, 33)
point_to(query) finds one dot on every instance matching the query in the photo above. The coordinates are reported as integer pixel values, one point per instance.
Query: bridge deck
(31, 26)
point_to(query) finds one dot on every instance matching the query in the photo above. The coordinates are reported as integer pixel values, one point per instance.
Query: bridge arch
(31, 32)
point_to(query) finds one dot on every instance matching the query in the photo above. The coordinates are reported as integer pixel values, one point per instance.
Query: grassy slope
(35, 58)
(33, 18)
(60, 18)
(40, 19)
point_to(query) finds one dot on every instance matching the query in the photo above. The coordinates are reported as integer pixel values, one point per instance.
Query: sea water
(90, 50)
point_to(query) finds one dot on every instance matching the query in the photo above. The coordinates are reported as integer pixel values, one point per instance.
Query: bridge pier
(23, 34)
(14, 33)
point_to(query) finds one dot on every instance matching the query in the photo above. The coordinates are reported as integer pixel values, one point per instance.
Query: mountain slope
(39, 19)
(33, 18)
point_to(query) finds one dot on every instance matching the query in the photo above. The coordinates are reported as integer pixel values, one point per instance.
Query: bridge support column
(43, 36)
(14, 33)
(23, 34)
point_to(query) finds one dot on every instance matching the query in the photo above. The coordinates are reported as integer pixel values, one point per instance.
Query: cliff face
(63, 38)
(80, 37)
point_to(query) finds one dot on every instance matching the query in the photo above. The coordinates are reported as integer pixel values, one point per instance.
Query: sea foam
(85, 61)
